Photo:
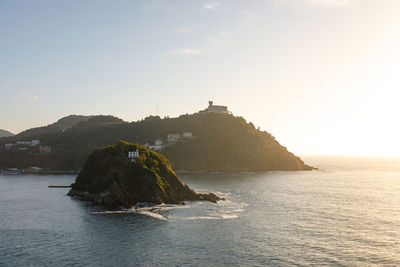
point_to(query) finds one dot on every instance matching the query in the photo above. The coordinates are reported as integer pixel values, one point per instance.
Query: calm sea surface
(345, 214)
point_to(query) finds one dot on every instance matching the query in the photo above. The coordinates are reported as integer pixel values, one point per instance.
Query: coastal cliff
(125, 174)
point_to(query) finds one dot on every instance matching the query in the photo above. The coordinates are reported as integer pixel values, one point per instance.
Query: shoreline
(39, 173)
(177, 172)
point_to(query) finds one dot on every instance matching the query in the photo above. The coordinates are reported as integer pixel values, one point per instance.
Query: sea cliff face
(110, 177)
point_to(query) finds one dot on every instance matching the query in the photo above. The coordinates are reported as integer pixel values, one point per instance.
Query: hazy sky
(323, 76)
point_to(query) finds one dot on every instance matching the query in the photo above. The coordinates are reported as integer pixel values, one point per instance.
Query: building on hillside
(24, 143)
(133, 155)
(29, 143)
(187, 135)
(215, 108)
(35, 142)
(174, 137)
(44, 149)
(158, 142)
(158, 145)
(8, 146)
(12, 171)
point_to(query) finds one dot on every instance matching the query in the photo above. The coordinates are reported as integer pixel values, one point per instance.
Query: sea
(346, 213)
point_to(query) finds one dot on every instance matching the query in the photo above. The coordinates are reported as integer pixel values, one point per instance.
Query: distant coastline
(46, 172)
(207, 172)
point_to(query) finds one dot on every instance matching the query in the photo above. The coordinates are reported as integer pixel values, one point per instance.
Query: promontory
(212, 140)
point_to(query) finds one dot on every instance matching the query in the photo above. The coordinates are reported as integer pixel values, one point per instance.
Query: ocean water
(345, 214)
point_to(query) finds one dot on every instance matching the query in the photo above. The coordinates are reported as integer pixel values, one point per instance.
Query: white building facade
(133, 155)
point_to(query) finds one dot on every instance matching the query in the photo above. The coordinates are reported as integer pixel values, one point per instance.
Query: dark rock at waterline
(111, 178)
(210, 197)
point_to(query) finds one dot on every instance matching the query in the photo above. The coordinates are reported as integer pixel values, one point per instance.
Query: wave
(153, 215)
(143, 211)
(217, 217)
(165, 208)
(111, 212)
(197, 210)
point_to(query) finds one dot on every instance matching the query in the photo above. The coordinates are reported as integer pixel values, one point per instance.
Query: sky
(322, 76)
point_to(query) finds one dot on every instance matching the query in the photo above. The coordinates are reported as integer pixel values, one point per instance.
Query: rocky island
(125, 174)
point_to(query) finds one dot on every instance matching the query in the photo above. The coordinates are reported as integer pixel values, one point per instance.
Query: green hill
(220, 142)
(68, 122)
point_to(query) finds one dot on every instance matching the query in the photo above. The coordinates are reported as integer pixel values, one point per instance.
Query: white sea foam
(224, 210)
(229, 216)
(198, 210)
(143, 211)
(234, 211)
(216, 217)
(164, 208)
(153, 215)
(112, 212)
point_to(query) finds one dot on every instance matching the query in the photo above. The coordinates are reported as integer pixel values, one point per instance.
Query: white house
(133, 154)
(26, 143)
(158, 142)
(187, 135)
(35, 142)
(29, 143)
(174, 137)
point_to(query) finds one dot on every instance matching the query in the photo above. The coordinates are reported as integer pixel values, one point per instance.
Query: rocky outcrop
(111, 178)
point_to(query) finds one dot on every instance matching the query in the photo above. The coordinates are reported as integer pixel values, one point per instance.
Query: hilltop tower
(215, 108)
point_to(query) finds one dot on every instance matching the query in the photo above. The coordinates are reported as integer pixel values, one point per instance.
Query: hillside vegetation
(4, 133)
(68, 122)
(221, 142)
